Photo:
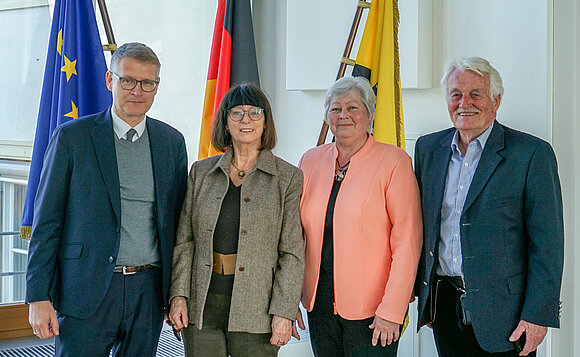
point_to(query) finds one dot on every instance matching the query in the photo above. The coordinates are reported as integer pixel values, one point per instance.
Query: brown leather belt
(128, 270)
(224, 264)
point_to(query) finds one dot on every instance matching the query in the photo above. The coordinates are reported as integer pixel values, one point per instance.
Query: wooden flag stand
(346, 60)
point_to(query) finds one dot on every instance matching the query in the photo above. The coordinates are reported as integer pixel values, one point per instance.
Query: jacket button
(425, 283)
(243, 232)
(111, 259)
(247, 199)
(242, 269)
(431, 253)
(117, 229)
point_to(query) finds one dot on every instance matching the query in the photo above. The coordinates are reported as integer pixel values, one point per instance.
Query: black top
(327, 242)
(225, 237)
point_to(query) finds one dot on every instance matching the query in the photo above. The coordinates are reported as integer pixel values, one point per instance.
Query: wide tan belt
(224, 264)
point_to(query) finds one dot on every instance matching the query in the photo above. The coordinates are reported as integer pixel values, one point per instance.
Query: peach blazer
(377, 229)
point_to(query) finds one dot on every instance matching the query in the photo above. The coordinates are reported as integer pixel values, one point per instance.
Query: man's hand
(534, 336)
(42, 319)
(300, 322)
(281, 330)
(178, 313)
(386, 331)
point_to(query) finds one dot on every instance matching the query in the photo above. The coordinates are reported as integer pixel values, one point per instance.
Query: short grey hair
(135, 50)
(475, 64)
(359, 86)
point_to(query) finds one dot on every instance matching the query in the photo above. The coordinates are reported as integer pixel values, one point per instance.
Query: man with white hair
(491, 267)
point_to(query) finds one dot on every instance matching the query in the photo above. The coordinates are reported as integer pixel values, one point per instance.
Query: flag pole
(112, 45)
(346, 61)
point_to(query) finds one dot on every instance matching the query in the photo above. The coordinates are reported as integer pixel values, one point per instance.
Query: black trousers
(128, 322)
(333, 336)
(452, 337)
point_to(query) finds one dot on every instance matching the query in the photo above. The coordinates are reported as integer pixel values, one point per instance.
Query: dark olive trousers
(214, 339)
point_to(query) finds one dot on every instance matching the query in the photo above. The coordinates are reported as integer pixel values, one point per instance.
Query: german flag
(232, 60)
(378, 61)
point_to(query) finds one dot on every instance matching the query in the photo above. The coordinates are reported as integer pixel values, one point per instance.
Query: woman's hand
(178, 313)
(281, 330)
(387, 331)
(300, 322)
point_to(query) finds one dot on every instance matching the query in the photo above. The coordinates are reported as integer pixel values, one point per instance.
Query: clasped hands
(384, 331)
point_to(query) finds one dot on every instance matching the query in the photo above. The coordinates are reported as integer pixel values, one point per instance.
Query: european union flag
(73, 86)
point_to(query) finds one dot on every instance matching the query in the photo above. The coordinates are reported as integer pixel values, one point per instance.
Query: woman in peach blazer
(360, 211)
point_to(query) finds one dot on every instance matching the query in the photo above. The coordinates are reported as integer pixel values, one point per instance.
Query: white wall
(180, 32)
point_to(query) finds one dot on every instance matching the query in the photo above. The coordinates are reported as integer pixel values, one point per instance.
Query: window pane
(24, 37)
(13, 249)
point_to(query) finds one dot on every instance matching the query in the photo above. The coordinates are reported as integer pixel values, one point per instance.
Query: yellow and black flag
(378, 61)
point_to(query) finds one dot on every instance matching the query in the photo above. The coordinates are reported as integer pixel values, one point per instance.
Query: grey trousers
(214, 340)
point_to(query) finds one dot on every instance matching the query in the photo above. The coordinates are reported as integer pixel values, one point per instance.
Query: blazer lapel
(487, 164)
(162, 161)
(440, 160)
(104, 144)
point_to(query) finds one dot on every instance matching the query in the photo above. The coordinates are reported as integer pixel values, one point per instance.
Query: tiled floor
(33, 347)
(168, 346)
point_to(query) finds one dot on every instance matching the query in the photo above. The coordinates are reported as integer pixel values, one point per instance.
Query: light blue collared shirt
(459, 177)
(120, 127)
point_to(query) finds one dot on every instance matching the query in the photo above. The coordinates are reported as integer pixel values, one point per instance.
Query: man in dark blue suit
(491, 267)
(106, 212)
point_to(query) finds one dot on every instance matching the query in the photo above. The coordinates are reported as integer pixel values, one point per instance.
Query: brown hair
(242, 94)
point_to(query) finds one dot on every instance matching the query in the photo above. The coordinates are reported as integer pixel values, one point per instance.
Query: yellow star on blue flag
(69, 68)
(74, 113)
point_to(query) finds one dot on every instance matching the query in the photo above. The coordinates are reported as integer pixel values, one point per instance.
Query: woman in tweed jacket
(238, 261)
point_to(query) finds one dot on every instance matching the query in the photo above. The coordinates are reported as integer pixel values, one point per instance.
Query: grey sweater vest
(139, 243)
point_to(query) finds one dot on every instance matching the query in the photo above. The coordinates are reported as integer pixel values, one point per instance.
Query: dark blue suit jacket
(75, 234)
(512, 234)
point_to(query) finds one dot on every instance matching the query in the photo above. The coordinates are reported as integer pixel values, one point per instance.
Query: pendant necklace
(241, 173)
(341, 172)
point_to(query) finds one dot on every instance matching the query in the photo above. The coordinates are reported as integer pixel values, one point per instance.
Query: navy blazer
(512, 233)
(77, 213)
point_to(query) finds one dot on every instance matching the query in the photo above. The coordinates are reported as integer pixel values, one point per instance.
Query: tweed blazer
(270, 260)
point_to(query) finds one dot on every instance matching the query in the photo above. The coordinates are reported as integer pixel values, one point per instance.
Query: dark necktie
(130, 134)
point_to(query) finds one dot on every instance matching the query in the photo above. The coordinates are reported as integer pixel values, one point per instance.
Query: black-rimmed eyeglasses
(128, 83)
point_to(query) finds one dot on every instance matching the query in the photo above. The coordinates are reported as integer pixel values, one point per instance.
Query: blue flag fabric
(73, 86)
